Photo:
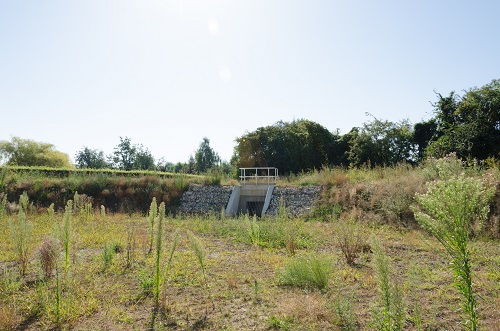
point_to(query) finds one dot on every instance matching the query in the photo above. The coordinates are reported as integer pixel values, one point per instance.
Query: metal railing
(261, 175)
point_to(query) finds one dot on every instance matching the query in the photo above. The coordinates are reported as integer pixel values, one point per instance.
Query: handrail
(269, 174)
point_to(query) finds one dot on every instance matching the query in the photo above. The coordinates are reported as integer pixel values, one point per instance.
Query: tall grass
(201, 256)
(306, 272)
(453, 210)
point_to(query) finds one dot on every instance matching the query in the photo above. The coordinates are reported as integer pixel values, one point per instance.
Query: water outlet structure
(254, 193)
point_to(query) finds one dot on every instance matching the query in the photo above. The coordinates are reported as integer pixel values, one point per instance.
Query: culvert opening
(255, 208)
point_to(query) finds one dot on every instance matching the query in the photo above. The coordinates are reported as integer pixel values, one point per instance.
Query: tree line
(467, 124)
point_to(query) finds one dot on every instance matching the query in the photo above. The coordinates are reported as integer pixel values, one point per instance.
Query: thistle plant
(20, 232)
(453, 211)
(153, 212)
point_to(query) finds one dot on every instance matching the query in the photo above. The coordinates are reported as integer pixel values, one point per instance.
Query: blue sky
(168, 73)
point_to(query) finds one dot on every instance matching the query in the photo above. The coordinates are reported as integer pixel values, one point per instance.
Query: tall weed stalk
(159, 244)
(20, 231)
(391, 315)
(153, 213)
(453, 211)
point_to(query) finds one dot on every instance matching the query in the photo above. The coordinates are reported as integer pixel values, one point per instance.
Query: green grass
(306, 272)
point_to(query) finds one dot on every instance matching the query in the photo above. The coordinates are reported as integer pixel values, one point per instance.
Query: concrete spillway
(249, 199)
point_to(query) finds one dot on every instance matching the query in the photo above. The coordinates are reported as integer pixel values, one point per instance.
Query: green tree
(381, 143)
(124, 154)
(205, 157)
(143, 160)
(468, 125)
(291, 147)
(423, 133)
(91, 158)
(25, 152)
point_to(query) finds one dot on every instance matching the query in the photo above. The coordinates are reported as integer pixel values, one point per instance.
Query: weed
(350, 238)
(159, 240)
(347, 317)
(277, 323)
(103, 211)
(50, 212)
(452, 210)
(146, 282)
(131, 246)
(9, 320)
(108, 253)
(47, 255)
(153, 212)
(20, 232)
(306, 272)
(201, 256)
(3, 204)
(391, 315)
(253, 231)
(65, 234)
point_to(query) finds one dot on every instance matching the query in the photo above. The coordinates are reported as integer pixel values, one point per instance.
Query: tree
(205, 157)
(143, 160)
(423, 133)
(124, 154)
(381, 143)
(25, 152)
(91, 158)
(468, 125)
(300, 145)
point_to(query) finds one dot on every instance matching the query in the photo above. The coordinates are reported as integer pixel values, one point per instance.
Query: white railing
(262, 175)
